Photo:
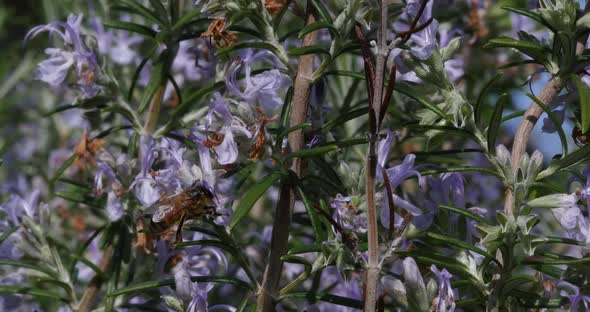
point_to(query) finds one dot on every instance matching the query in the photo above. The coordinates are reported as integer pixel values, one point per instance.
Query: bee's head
(204, 192)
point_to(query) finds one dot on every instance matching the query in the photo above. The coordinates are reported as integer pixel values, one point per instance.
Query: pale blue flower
(445, 300)
(259, 89)
(117, 44)
(227, 151)
(348, 216)
(559, 113)
(572, 293)
(74, 54)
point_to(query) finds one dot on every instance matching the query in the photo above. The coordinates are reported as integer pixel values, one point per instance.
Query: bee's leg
(179, 230)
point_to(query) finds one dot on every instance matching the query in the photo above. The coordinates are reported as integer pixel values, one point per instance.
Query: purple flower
(198, 302)
(114, 206)
(194, 261)
(333, 281)
(572, 293)
(10, 302)
(348, 216)
(194, 61)
(397, 175)
(454, 186)
(425, 40)
(384, 148)
(227, 150)
(116, 44)
(145, 186)
(445, 300)
(75, 54)
(559, 112)
(259, 89)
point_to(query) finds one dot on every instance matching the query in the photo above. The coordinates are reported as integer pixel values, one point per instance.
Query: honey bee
(192, 203)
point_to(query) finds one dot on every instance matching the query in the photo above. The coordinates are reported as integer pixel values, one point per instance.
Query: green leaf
(30, 266)
(513, 115)
(350, 142)
(572, 159)
(140, 9)
(131, 27)
(460, 169)
(160, 10)
(344, 117)
(461, 244)
(452, 47)
(186, 19)
(530, 48)
(495, 121)
(191, 100)
(405, 89)
(482, 95)
(343, 301)
(322, 11)
(6, 290)
(313, 49)
(555, 121)
(246, 30)
(445, 129)
(170, 282)
(158, 76)
(317, 25)
(528, 13)
(137, 73)
(247, 45)
(345, 73)
(316, 223)
(111, 130)
(561, 240)
(584, 93)
(58, 173)
(304, 249)
(311, 152)
(7, 234)
(515, 282)
(286, 132)
(558, 262)
(286, 110)
(466, 213)
(251, 196)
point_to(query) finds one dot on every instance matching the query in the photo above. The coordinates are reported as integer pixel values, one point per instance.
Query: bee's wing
(161, 212)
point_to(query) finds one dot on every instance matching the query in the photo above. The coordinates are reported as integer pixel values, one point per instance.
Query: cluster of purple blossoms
(424, 42)
(74, 54)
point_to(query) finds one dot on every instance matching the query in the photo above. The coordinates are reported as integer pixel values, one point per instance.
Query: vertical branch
(530, 118)
(282, 220)
(96, 282)
(374, 124)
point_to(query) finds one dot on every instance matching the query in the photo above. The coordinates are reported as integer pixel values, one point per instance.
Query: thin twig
(367, 58)
(374, 124)
(530, 118)
(282, 220)
(96, 282)
(415, 21)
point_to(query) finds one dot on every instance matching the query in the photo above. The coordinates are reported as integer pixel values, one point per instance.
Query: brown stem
(374, 124)
(415, 21)
(154, 111)
(282, 220)
(96, 282)
(530, 118)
